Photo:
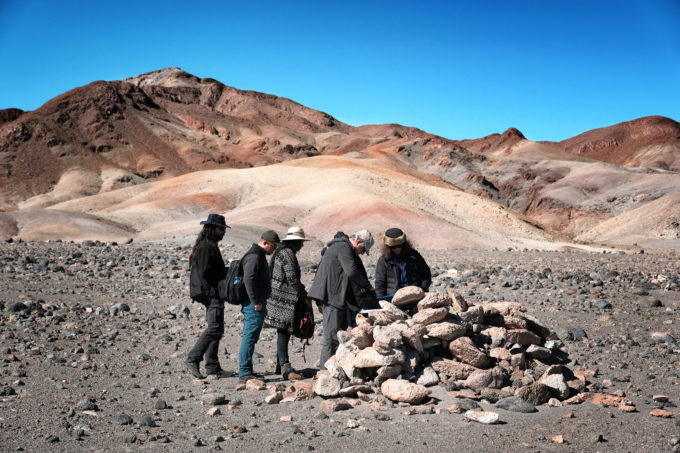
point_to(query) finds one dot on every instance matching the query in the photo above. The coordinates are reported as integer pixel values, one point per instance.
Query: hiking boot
(248, 377)
(289, 374)
(193, 369)
(221, 374)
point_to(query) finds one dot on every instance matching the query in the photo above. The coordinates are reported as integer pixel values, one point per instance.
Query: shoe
(222, 373)
(248, 377)
(289, 374)
(193, 369)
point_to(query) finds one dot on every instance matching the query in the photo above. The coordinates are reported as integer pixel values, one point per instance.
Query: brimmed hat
(270, 236)
(215, 220)
(394, 237)
(295, 234)
(365, 236)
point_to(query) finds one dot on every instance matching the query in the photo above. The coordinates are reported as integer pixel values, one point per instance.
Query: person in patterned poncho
(286, 291)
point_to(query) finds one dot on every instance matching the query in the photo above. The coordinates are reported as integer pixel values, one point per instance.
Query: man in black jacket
(341, 285)
(207, 268)
(258, 286)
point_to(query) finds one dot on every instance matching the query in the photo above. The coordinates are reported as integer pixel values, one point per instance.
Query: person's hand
(257, 307)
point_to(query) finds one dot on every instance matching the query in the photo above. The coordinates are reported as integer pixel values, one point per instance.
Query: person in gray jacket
(341, 286)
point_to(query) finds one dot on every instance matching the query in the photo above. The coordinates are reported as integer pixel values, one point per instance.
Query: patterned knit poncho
(286, 289)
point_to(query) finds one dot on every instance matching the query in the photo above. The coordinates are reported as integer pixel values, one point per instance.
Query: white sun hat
(295, 234)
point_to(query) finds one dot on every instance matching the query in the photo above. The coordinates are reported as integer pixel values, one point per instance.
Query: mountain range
(147, 156)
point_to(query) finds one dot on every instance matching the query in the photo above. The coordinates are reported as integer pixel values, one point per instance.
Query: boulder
(473, 315)
(535, 393)
(453, 369)
(428, 377)
(522, 337)
(430, 315)
(492, 378)
(370, 358)
(404, 391)
(446, 330)
(465, 350)
(387, 335)
(557, 385)
(434, 300)
(394, 312)
(326, 385)
(363, 336)
(483, 417)
(458, 303)
(410, 335)
(515, 404)
(538, 352)
(408, 296)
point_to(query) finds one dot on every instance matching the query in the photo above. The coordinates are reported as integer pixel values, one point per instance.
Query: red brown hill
(107, 136)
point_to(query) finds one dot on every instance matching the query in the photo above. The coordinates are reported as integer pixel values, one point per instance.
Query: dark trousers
(282, 340)
(209, 341)
(334, 319)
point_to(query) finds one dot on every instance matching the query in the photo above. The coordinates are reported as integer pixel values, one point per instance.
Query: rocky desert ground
(94, 335)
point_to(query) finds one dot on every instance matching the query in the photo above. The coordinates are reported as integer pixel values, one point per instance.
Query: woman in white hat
(287, 289)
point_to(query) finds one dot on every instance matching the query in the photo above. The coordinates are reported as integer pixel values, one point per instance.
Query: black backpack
(303, 320)
(232, 289)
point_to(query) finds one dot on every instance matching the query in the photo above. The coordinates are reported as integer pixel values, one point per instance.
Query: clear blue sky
(552, 69)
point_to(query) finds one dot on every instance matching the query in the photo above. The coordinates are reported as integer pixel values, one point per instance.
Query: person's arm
(381, 277)
(251, 266)
(206, 272)
(424, 271)
(349, 267)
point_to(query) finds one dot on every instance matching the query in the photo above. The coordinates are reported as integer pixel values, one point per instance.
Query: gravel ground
(93, 337)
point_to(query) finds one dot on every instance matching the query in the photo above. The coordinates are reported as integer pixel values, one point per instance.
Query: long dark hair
(209, 232)
(387, 253)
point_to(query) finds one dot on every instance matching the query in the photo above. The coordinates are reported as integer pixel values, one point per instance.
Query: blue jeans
(252, 325)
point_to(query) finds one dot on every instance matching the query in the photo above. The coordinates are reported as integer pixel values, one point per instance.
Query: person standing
(287, 290)
(257, 283)
(341, 286)
(207, 268)
(400, 265)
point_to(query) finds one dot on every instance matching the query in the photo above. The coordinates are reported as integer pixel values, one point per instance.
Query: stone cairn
(493, 351)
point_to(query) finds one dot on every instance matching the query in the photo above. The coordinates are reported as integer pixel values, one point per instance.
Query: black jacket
(207, 268)
(341, 279)
(387, 274)
(256, 274)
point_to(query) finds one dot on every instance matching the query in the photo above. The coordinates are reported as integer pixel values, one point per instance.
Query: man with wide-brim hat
(207, 269)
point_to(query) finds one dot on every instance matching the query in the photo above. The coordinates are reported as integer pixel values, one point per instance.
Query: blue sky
(552, 69)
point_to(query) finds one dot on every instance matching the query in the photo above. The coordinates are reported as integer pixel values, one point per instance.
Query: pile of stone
(493, 351)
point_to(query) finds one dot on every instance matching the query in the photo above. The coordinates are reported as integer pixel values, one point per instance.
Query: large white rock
(557, 385)
(409, 335)
(404, 391)
(345, 359)
(387, 335)
(370, 358)
(484, 417)
(326, 385)
(428, 377)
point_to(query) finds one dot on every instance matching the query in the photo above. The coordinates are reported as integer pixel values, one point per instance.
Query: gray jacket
(341, 279)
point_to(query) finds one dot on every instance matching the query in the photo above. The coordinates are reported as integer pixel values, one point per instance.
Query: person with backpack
(254, 308)
(287, 292)
(341, 287)
(400, 265)
(207, 269)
